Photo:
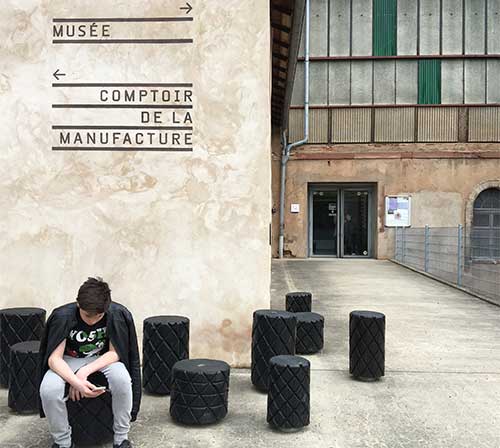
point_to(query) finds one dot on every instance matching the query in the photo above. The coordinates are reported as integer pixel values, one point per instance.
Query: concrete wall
(440, 190)
(172, 232)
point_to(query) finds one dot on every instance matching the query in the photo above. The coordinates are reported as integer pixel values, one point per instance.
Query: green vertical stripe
(384, 27)
(429, 81)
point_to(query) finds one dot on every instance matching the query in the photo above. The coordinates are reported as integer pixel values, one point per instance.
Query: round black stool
(18, 325)
(166, 341)
(309, 333)
(299, 302)
(200, 389)
(366, 344)
(288, 400)
(23, 387)
(91, 419)
(273, 333)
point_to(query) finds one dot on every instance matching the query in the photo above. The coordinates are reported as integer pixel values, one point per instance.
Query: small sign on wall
(398, 211)
(295, 208)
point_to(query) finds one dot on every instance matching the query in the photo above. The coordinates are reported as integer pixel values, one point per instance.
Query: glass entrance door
(325, 220)
(356, 223)
(340, 221)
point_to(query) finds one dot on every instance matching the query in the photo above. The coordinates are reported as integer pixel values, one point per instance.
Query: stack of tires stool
(18, 325)
(273, 334)
(288, 403)
(298, 302)
(166, 341)
(366, 345)
(310, 329)
(23, 383)
(310, 326)
(199, 393)
(91, 419)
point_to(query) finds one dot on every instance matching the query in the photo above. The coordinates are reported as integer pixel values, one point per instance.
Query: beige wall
(440, 190)
(173, 233)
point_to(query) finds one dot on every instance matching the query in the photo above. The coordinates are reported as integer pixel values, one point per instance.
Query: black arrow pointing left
(57, 74)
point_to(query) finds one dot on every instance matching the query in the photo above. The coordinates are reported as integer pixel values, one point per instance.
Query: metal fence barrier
(469, 259)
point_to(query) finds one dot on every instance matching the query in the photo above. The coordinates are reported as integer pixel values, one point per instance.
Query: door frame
(340, 188)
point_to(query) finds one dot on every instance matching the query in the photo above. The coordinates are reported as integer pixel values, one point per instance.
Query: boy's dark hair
(94, 296)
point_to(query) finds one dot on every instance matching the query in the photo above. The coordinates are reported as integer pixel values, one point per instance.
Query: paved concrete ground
(442, 384)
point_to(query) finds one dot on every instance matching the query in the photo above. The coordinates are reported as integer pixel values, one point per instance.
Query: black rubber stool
(309, 333)
(91, 419)
(288, 400)
(366, 344)
(166, 341)
(18, 325)
(299, 302)
(23, 387)
(200, 389)
(273, 334)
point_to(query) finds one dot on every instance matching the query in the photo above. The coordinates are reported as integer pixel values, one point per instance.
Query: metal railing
(467, 258)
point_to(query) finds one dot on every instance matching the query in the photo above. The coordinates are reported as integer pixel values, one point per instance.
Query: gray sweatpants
(54, 403)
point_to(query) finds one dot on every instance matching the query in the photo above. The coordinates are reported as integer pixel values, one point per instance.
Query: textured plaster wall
(440, 191)
(173, 233)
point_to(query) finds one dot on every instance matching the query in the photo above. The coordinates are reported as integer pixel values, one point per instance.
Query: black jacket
(121, 333)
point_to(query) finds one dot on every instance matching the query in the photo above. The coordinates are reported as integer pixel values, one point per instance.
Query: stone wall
(183, 230)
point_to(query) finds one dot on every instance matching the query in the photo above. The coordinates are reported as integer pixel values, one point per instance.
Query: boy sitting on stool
(89, 335)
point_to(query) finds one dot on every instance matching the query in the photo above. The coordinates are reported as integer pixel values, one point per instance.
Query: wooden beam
(279, 26)
(281, 9)
(281, 43)
(280, 56)
(280, 69)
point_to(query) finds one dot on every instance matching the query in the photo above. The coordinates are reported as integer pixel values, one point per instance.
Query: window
(485, 234)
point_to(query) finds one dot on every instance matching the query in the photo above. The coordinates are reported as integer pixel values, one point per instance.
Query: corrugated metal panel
(319, 83)
(452, 81)
(384, 27)
(406, 82)
(395, 125)
(296, 125)
(493, 94)
(493, 26)
(318, 125)
(484, 124)
(340, 82)
(362, 27)
(319, 28)
(351, 125)
(407, 27)
(340, 28)
(429, 81)
(437, 124)
(452, 26)
(384, 78)
(429, 26)
(475, 81)
(474, 26)
(361, 82)
(298, 86)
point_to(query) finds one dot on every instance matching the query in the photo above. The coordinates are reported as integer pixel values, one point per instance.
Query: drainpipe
(285, 156)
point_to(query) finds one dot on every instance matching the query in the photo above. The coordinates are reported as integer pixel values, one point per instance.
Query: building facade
(404, 102)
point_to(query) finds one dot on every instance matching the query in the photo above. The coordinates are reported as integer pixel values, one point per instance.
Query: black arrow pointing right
(188, 8)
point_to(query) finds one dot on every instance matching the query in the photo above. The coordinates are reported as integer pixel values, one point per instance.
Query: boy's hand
(83, 388)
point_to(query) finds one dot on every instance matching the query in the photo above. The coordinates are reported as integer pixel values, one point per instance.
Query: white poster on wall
(398, 211)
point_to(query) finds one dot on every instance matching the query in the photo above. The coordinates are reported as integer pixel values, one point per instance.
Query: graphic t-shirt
(87, 340)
